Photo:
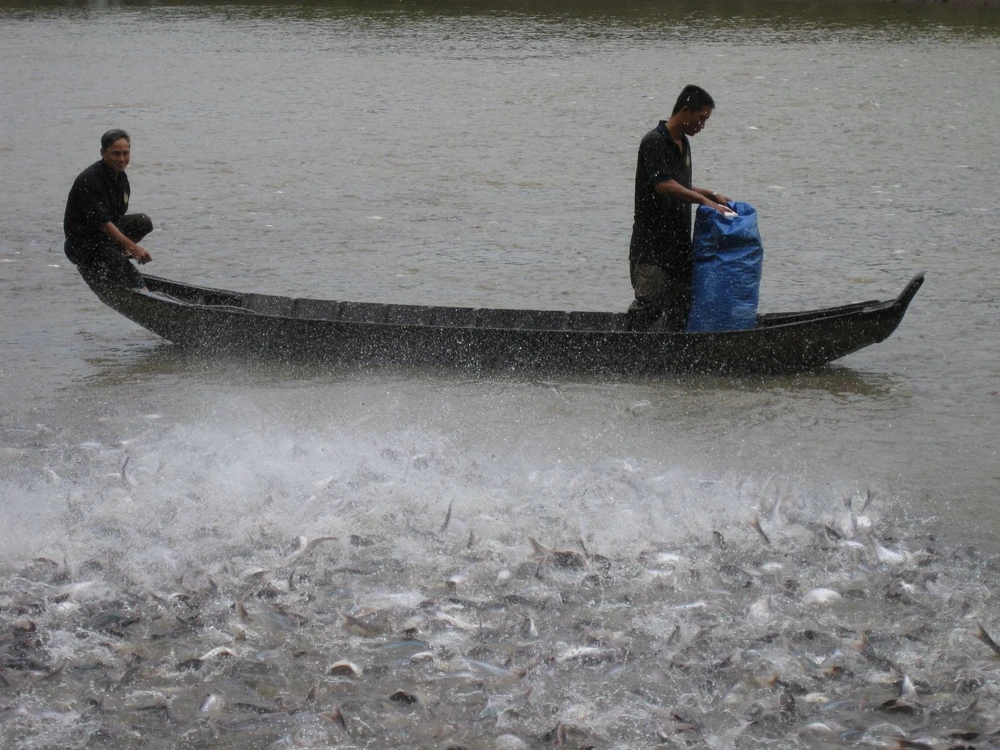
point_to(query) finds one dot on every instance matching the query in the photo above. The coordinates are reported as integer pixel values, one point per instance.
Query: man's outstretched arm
(697, 196)
(127, 246)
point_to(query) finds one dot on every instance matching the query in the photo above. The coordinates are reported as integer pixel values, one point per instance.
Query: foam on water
(171, 486)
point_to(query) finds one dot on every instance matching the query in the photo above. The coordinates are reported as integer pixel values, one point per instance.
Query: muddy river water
(168, 579)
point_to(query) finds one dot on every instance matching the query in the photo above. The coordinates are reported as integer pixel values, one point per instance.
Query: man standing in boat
(100, 238)
(661, 256)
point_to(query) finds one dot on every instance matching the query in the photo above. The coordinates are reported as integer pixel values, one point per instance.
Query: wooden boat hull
(256, 325)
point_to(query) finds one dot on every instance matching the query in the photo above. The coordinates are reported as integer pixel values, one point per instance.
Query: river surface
(484, 156)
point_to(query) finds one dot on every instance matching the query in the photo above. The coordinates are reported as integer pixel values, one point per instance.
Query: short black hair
(113, 135)
(694, 98)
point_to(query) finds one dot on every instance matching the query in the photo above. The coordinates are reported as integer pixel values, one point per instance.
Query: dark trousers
(662, 299)
(106, 263)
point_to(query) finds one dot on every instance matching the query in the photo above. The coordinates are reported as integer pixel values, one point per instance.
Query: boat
(370, 333)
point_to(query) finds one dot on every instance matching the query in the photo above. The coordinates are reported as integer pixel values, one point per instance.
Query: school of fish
(822, 624)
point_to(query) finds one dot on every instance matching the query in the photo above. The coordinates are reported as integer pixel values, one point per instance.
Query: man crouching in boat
(100, 237)
(661, 256)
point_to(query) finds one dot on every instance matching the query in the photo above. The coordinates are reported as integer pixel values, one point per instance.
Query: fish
(402, 696)
(718, 540)
(755, 523)
(901, 743)
(821, 728)
(758, 625)
(869, 496)
(125, 480)
(587, 654)
(832, 533)
(981, 635)
(560, 558)
(821, 596)
(528, 629)
(509, 742)
(760, 609)
(786, 706)
(647, 556)
(413, 625)
(344, 667)
(307, 545)
(335, 716)
(887, 556)
(367, 627)
(864, 647)
(906, 688)
(852, 544)
(16, 711)
(490, 669)
(455, 580)
(241, 611)
(447, 520)
(849, 525)
(453, 622)
(677, 725)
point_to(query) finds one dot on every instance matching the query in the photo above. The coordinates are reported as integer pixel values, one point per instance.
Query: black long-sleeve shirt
(97, 197)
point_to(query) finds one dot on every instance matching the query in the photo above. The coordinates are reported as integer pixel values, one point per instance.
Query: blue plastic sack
(728, 256)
